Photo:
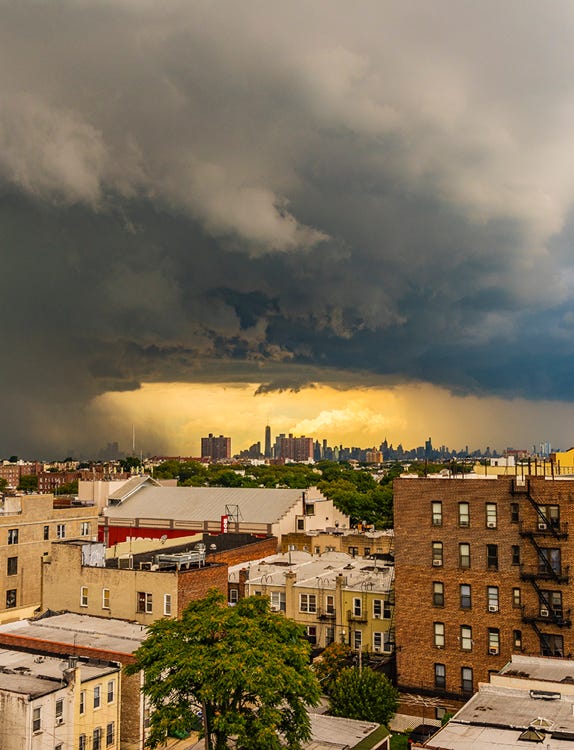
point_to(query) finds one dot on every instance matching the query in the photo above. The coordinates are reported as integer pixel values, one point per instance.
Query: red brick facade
(475, 560)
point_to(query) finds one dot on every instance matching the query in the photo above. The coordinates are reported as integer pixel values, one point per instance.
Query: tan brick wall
(415, 613)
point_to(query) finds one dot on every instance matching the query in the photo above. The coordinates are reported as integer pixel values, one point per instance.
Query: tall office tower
(268, 452)
(294, 448)
(216, 448)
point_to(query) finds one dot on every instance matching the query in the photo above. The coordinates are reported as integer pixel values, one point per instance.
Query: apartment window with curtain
(464, 515)
(466, 637)
(437, 554)
(438, 594)
(492, 598)
(436, 513)
(491, 519)
(464, 555)
(465, 596)
(439, 634)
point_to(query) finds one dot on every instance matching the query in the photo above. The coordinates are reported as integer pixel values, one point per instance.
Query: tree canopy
(363, 694)
(244, 668)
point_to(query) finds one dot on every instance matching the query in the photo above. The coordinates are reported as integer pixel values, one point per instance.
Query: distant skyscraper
(268, 453)
(215, 448)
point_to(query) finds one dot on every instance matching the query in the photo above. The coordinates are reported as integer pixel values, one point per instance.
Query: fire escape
(549, 571)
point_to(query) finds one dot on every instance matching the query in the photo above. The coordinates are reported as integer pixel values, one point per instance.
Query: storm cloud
(282, 193)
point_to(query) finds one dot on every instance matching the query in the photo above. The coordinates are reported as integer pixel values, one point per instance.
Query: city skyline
(351, 221)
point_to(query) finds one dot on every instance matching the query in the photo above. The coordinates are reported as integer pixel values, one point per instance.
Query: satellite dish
(163, 538)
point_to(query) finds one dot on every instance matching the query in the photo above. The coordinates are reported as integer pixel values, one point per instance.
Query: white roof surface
(264, 506)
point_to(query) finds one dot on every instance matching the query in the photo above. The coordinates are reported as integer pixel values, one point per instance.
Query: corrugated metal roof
(192, 504)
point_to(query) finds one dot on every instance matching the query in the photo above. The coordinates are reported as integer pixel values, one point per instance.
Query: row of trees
(243, 673)
(354, 491)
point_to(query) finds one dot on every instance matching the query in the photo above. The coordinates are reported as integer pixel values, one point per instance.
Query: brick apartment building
(481, 573)
(215, 448)
(293, 448)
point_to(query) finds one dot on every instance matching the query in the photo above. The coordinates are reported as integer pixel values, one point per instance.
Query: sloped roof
(130, 486)
(193, 504)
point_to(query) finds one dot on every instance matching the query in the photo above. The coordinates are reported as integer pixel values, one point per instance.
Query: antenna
(133, 439)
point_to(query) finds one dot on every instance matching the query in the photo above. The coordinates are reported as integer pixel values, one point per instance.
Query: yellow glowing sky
(170, 418)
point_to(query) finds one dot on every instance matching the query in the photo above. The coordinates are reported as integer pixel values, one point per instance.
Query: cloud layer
(269, 193)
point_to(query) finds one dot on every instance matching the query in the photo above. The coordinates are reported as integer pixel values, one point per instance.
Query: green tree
(244, 667)
(334, 659)
(67, 488)
(363, 694)
(3, 484)
(28, 483)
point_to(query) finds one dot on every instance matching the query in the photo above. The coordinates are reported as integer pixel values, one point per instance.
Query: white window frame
(105, 598)
(61, 531)
(436, 512)
(97, 696)
(466, 637)
(85, 530)
(492, 598)
(439, 637)
(307, 603)
(111, 691)
(167, 605)
(357, 640)
(83, 596)
(37, 719)
(357, 606)
(491, 515)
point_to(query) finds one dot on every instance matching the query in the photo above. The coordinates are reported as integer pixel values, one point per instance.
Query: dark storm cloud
(281, 194)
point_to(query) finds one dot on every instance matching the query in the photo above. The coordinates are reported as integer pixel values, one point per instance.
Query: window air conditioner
(493, 607)
(544, 612)
(542, 527)
(491, 525)
(437, 563)
(493, 651)
(377, 617)
(59, 720)
(376, 649)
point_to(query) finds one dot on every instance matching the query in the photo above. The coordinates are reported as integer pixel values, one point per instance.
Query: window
(549, 560)
(61, 531)
(46, 533)
(551, 645)
(492, 556)
(437, 554)
(382, 642)
(59, 710)
(465, 596)
(330, 604)
(144, 602)
(83, 702)
(517, 638)
(353, 551)
(11, 598)
(329, 635)
(12, 566)
(300, 524)
(466, 679)
(97, 743)
(464, 555)
(550, 517)
(312, 634)
(310, 509)
(37, 719)
(167, 603)
(516, 598)
(233, 597)
(439, 675)
(111, 691)
(85, 529)
(490, 515)
(492, 598)
(493, 641)
(466, 638)
(463, 514)
(436, 513)
(514, 513)
(367, 552)
(357, 640)
(105, 598)
(110, 733)
(439, 634)
(551, 604)
(83, 596)
(438, 594)
(387, 609)
(12, 536)
(357, 607)
(515, 554)
(82, 745)
(278, 601)
(97, 696)
(307, 603)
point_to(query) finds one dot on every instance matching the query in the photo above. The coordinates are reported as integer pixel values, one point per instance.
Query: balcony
(546, 573)
(324, 614)
(544, 529)
(355, 617)
(555, 616)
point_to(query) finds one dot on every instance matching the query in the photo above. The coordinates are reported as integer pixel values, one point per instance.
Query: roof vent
(545, 695)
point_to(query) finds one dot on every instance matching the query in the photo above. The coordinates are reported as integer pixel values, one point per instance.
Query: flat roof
(540, 668)
(82, 631)
(338, 733)
(33, 675)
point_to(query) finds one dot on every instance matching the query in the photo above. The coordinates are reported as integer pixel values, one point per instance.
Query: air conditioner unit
(542, 526)
(59, 720)
(377, 617)
(493, 651)
(376, 649)
(544, 612)
(491, 525)
(437, 563)
(493, 607)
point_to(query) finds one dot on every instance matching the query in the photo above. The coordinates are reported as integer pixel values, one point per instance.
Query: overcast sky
(255, 197)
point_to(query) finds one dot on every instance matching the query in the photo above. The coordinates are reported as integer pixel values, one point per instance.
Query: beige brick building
(377, 544)
(482, 572)
(28, 525)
